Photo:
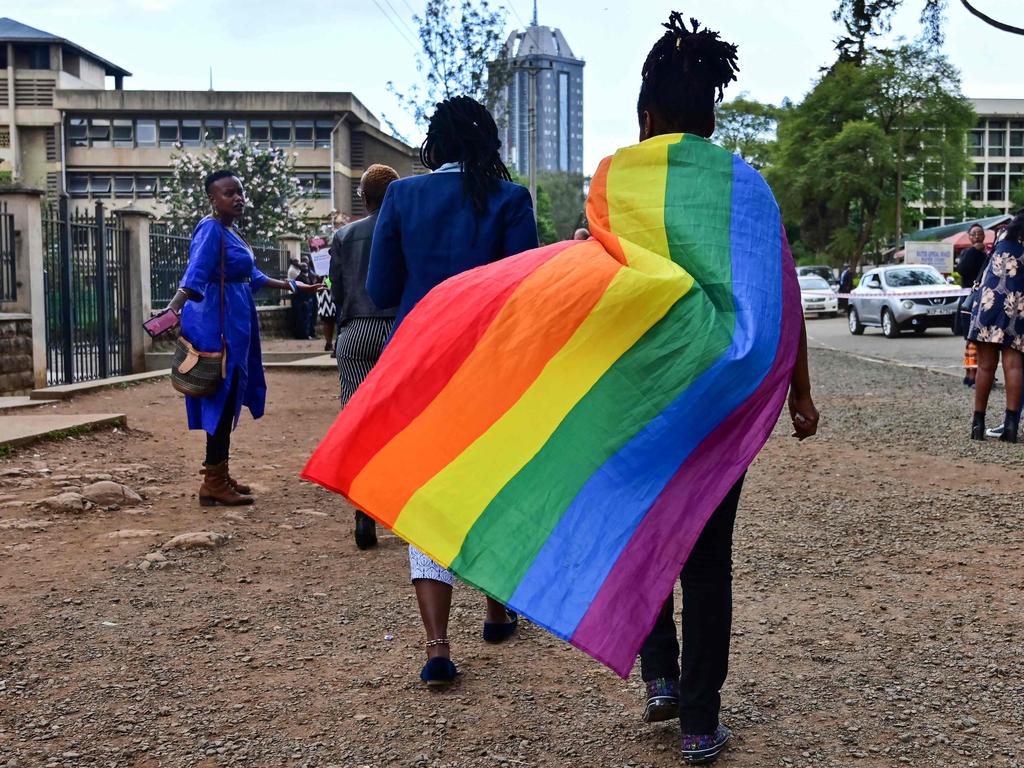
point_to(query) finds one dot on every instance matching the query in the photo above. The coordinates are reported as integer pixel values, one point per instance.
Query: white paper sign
(321, 262)
(938, 255)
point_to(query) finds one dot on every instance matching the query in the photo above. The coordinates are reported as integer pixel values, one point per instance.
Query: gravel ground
(877, 593)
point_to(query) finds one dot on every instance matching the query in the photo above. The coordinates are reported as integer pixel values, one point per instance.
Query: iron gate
(88, 303)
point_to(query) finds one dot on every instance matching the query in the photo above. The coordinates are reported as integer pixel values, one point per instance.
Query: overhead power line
(398, 29)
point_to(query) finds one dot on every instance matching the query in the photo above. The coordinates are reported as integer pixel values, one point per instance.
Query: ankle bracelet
(437, 642)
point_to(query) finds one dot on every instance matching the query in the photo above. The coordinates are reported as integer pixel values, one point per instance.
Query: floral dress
(998, 315)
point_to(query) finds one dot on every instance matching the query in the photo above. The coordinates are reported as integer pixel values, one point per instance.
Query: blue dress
(998, 314)
(427, 231)
(201, 324)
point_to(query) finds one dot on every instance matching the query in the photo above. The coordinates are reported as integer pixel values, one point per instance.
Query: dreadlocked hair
(686, 73)
(461, 130)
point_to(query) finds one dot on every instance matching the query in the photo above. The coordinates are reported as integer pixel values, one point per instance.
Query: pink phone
(162, 322)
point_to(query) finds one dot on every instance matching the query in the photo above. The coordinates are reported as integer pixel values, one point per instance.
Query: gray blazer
(350, 258)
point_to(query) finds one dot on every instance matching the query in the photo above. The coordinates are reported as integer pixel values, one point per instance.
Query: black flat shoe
(366, 531)
(978, 427)
(438, 672)
(499, 633)
(1011, 424)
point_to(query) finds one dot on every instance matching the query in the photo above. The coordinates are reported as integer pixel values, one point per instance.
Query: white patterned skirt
(422, 567)
(325, 307)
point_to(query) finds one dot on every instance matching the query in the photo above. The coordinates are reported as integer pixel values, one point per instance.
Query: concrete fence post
(26, 205)
(137, 224)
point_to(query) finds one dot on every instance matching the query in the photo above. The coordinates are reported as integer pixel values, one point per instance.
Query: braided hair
(461, 130)
(685, 74)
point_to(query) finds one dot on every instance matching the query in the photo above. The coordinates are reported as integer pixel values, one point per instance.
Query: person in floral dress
(997, 326)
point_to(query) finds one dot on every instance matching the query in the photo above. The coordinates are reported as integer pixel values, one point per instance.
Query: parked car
(825, 273)
(817, 297)
(886, 298)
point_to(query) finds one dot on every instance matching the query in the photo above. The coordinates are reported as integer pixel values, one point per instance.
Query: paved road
(937, 349)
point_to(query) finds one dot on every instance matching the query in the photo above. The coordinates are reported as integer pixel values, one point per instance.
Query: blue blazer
(427, 231)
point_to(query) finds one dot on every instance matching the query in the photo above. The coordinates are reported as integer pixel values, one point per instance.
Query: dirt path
(878, 607)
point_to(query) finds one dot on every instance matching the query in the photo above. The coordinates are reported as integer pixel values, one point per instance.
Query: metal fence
(168, 257)
(87, 299)
(269, 256)
(8, 273)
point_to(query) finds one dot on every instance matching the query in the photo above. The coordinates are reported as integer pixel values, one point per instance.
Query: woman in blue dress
(464, 214)
(997, 326)
(198, 304)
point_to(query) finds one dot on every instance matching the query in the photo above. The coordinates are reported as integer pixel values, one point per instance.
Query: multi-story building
(542, 55)
(63, 129)
(997, 147)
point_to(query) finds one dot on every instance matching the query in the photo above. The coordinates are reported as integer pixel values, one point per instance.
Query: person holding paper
(326, 309)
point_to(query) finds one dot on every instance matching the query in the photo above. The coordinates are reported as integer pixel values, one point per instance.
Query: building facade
(539, 57)
(68, 126)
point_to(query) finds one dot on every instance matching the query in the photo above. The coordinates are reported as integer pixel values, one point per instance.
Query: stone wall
(16, 354)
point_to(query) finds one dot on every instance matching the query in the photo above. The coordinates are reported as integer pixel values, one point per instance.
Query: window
(1016, 143)
(1016, 176)
(976, 143)
(100, 186)
(99, 132)
(78, 132)
(303, 133)
(78, 185)
(974, 191)
(32, 56)
(236, 128)
(191, 133)
(145, 186)
(323, 185)
(259, 132)
(996, 142)
(214, 132)
(145, 133)
(124, 186)
(323, 134)
(168, 133)
(281, 133)
(307, 182)
(123, 134)
(996, 187)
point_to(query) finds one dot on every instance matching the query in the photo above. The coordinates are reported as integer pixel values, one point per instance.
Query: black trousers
(218, 445)
(707, 624)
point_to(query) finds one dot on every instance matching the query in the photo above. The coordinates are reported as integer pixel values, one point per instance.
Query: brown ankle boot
(238, 487)
(216, 489)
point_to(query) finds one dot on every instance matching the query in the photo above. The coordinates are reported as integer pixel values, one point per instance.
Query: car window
(813, 283)
(872, 281)
(911, 276)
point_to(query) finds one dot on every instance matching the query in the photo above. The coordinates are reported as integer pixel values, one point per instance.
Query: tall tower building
(540, 59)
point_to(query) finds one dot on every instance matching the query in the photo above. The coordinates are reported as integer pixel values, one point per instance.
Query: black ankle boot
(366, 531)
(978, 426)
(1012, 422)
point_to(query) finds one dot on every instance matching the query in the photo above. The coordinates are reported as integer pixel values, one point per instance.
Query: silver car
(890, 298)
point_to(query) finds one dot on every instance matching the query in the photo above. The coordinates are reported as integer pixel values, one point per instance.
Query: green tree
(864, 20)
(565, 191)
(747, 127)
(867, 141)
(274, 199)
(1017, 196)
(461, 54)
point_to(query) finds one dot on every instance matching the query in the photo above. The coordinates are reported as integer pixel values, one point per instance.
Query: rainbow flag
(557, 427)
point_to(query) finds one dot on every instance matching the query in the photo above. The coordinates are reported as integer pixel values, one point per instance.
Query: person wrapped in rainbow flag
(568, 429)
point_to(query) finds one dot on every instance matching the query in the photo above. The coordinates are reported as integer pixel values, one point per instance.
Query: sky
(359, 46)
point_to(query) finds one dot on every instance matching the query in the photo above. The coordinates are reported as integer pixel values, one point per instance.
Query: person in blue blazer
(464, 214)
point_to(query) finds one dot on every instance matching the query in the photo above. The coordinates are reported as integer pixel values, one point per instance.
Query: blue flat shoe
(499, 633)
(438, 672)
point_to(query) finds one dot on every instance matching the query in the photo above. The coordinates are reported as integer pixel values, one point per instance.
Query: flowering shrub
(273, 196)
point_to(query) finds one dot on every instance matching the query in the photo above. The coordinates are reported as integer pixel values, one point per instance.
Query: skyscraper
(542, 55)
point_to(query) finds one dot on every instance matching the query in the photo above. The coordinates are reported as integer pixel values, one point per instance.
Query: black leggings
(218, 445)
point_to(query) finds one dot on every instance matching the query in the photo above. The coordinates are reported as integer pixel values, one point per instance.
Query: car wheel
(889, 326)
(958, 331)
(854, 321)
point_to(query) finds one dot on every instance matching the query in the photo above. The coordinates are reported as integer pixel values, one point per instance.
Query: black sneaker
(662, 700)
(701, 749)
(366, 531)
(996, 432)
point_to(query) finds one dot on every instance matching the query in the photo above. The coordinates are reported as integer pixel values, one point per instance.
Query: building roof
(12, 31)
(537, 40)
(998, 107)
(933, 234)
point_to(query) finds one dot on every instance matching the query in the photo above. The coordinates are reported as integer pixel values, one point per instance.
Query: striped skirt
(360, 342)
